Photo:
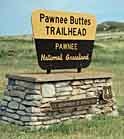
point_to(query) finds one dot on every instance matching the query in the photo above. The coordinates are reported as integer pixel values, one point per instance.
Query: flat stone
(42, 114)
(31, 103)
(85, 87)
(65, 118)
(62, 115)
(79, 112)
(6, 92)
(76, 83)
(80, 96)
(70, 110)
(76, 91)
(21, 112)
(100, 80)
(45, 110)
(27, 84)
(33, 97)
(62, 84)
(91, 94)
(28, 118)
(78, 117)
(7, 98)
(9, 87)
(33, 92)
(48, 90)
(88, 82)
(83, 108)
(66, 93)
(64, 89)
(10, 110)
(12, 115)
(25, 118)
(17, 99)
(99, 88)
(33, 109)
(82, 91)
(17, 93)
(92, 89)
(62, 97)
(17, 87)
(36, 114)
(12, 120)
(100, 84)
(46, 105)
(13, 105)
(22, 107)
(51, 121)
(53, 113)
(4, 103)
(76, 87)
(3, 122)
(44, 118)
(37, 86)
(44, 100)
(33, 123)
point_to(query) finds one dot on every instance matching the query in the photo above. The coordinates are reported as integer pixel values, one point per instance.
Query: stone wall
(30, 102)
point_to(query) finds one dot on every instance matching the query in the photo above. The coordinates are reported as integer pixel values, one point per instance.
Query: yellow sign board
(63, 25)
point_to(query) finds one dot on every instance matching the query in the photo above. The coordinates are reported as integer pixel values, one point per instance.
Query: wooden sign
(73, 104)
(63, 40)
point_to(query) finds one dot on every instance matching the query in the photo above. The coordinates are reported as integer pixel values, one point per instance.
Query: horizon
(15, 35)
(16, 15)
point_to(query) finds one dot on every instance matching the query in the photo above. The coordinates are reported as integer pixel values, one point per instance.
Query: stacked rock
(21, 103)
(34, 103)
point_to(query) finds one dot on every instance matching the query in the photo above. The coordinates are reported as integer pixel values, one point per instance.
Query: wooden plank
(57, 76)
(61, 105)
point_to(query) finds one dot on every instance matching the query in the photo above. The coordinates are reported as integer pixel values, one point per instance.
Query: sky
(15, 15)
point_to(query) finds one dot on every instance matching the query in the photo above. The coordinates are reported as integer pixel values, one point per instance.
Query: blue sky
(15, 15)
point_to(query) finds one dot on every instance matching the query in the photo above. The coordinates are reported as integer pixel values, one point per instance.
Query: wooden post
(79, 70)
(48, 71)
